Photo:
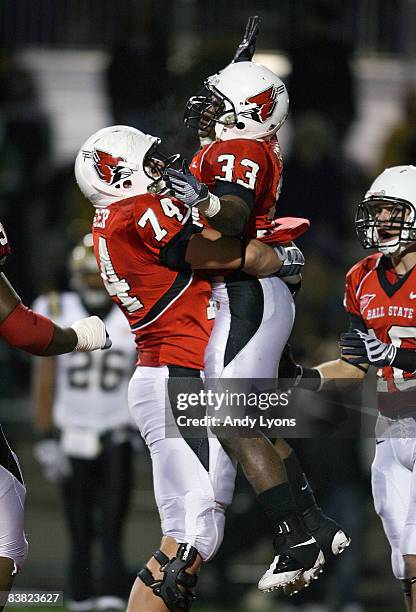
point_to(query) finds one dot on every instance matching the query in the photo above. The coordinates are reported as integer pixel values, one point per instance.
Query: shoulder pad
(362, 267)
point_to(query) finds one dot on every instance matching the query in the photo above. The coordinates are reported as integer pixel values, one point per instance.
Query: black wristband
(311, 379)
(405, 360)
(356, 365)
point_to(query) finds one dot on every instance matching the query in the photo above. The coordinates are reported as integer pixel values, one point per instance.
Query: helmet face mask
(386, 218)
(154, 165)
(207, 108)
(245, 100)
(388, 234)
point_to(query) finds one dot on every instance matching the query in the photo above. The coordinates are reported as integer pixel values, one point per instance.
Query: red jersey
(254, 164)
(386, 304)
(167, 310)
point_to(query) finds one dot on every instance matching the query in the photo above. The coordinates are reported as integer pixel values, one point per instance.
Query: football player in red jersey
(148, 250)
(236, 184)
(379, 299)
(22, 328)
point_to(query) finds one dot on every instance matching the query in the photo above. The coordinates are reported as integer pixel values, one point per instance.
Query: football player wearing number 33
(235, 182)
(380, 301)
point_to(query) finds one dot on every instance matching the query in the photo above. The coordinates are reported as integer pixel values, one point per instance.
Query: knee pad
(175, 588)
(204, 524)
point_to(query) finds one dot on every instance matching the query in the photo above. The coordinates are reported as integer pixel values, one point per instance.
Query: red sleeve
(240, 161)
(27, 330)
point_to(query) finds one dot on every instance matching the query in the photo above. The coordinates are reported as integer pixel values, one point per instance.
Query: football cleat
(331, 538)
(297, 552)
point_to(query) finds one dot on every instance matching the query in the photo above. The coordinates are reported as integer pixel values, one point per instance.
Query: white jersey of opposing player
(91, 388)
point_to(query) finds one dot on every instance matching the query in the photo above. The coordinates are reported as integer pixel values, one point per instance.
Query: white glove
(91, 333)
(292, 260)
(54, 463)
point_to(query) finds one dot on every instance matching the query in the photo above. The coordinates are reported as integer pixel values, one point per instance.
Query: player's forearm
(30, 331)
(64, 340)
(231, 217)
(260, 259)
(326, 376)
(210, 251)
(340, 372)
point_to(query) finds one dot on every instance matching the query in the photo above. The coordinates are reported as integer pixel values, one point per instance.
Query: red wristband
(27, 330)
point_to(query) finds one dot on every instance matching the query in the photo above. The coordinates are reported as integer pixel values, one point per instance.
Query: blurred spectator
(25, 159)
(321, 79)
(319, 183)
(400, 145)
(25, 164)
(83, 423)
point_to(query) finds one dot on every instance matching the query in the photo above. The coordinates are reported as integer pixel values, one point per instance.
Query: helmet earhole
(240, 125)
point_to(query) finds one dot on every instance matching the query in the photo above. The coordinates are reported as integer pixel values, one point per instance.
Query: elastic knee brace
(175, 588)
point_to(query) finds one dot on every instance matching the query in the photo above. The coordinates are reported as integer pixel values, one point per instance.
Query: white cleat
(290, 574)
(340, 542)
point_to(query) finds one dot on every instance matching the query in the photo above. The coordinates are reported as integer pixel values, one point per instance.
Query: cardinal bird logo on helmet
(261, 106)
(108, 167)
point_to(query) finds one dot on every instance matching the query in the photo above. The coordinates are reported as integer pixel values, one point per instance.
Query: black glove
(359, 347)
(247, 47)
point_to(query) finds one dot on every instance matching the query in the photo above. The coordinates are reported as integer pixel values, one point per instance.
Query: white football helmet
(85, 276)
(245, 100)
(393, 191)
(113, 164)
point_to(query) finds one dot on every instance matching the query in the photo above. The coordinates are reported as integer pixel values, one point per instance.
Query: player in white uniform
(83, 420)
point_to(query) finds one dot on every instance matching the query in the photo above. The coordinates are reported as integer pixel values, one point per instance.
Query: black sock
(301, 488)
(278, 503)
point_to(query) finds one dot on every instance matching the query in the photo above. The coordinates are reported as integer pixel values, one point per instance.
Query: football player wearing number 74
(380, 300)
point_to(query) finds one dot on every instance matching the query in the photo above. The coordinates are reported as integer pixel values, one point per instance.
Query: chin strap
(175, 588)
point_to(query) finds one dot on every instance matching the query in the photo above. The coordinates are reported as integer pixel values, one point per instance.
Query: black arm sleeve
(172, 255)
(356, 322)
(224, 188)
(405, 360)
